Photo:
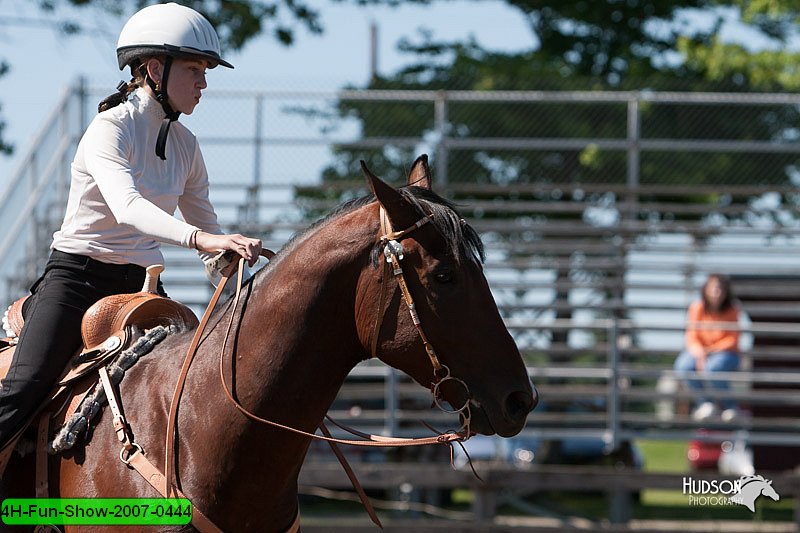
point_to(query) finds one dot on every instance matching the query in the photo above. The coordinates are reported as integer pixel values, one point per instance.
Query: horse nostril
(519, 404)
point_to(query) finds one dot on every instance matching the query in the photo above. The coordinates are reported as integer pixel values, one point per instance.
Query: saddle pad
(76, 422)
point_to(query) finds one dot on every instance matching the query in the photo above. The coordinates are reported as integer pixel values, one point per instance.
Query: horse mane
(462, 240)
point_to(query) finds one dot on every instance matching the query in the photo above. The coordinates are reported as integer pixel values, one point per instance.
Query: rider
(129, 174)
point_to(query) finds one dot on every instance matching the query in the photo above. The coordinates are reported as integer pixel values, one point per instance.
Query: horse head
(458, 345)
(769, 491)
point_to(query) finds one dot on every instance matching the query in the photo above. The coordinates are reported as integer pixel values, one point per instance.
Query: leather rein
(133, 454)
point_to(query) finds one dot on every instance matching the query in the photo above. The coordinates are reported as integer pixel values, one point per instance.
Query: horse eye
(444, 276)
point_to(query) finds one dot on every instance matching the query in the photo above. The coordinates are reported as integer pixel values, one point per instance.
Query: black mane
(462, 240)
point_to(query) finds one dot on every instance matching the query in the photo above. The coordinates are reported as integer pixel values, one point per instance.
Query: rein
(134, 455)
(441, 372)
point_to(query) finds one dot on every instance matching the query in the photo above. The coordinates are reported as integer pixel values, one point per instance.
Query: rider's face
(187, 79)
(714, 292)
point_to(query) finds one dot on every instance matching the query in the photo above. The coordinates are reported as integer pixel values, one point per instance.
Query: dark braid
(113, 100)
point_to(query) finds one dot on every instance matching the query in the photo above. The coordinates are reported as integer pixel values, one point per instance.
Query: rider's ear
(400, 211)
(420, 174)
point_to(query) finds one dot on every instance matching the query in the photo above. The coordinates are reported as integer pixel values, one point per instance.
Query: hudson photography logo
(743, 491)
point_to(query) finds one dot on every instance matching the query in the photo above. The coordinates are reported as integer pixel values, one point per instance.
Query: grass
(664, 456)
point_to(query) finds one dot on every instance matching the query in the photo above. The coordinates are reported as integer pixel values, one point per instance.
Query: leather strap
(156, 479)
(5, 453)
(171, 115)
(42, 433)
(169, 450)
(391, 256)
(136, 456)
(374, 440)
(352, 477)
(96, 356)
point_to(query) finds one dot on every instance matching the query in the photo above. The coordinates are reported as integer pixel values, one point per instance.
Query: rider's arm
(194, 204)
(109, 165)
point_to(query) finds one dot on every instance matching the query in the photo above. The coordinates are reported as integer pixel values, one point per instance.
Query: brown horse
(307, 319)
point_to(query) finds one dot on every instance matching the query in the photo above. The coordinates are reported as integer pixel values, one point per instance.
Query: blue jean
(725, 361)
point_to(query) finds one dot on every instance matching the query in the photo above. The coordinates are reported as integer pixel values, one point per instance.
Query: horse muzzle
(506, 419)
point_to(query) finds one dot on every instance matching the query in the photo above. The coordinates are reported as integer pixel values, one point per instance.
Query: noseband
(393, 252)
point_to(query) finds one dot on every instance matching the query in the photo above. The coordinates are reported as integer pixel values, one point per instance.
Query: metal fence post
(82, 100)
(392, 403)
(619, 496)
(251, 208)
(441, 127)
(634, 148)
(612, 409)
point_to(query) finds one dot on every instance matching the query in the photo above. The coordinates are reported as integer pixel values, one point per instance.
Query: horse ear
(400, 211)
(420, 174)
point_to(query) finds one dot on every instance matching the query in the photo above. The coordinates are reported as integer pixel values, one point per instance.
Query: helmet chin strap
(161, 95)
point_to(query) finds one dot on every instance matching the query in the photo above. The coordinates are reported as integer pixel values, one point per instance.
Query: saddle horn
(151, 278)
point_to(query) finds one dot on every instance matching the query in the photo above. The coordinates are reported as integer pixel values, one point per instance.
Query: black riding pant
(51, 335)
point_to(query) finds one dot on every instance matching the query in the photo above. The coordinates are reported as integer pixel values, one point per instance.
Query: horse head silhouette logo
(750, 488)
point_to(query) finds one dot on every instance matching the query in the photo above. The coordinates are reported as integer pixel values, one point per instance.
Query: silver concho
(393, 248)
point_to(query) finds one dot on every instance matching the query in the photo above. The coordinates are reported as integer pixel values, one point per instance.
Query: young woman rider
(134, 166)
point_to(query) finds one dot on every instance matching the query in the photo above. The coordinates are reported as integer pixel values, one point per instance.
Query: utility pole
(373, 51)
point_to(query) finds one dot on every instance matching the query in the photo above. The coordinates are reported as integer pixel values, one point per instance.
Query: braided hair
(113, 100)
(138, 73)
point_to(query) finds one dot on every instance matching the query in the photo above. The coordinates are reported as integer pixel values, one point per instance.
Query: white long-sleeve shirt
(123, 196)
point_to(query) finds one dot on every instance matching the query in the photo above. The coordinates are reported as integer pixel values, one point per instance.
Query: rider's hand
(244, 246)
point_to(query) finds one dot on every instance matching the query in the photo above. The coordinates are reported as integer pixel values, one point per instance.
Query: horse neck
(298, 338)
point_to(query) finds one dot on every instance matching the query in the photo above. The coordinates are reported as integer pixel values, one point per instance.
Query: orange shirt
(708, 339)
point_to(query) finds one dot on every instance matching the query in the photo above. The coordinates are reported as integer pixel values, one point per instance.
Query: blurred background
(611, 154)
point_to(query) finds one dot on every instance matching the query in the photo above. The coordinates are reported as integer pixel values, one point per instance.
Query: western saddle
(108, 327)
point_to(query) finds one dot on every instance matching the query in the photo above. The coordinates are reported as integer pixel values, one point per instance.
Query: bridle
(393, 252)
(133, 455)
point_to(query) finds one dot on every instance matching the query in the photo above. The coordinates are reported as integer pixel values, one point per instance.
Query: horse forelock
(463, 242)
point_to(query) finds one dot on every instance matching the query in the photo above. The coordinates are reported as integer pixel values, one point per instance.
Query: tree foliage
(621, 45)
(611, 45)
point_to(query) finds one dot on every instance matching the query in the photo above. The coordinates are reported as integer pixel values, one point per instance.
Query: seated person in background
(711, 348)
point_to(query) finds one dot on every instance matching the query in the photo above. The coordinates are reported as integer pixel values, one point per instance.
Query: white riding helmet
(170, 29)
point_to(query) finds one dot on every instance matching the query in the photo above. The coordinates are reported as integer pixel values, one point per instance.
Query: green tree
(630, 45)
